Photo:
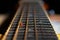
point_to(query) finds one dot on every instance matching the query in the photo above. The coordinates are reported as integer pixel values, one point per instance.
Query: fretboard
(36, 25)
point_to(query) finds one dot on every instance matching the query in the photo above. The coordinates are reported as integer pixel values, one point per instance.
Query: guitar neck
(36, 25)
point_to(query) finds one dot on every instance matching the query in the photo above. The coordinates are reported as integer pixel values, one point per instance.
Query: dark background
(7, 7)
(53, 4)
(10, 5)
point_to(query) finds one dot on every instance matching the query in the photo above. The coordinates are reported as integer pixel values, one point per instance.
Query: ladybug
(21, 24)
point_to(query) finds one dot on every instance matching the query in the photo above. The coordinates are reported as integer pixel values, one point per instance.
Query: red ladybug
(21, 24)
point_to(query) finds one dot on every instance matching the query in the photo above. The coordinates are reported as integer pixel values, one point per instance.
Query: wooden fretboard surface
(36, 25)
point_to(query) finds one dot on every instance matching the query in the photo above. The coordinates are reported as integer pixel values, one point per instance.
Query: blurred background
(9, 7)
